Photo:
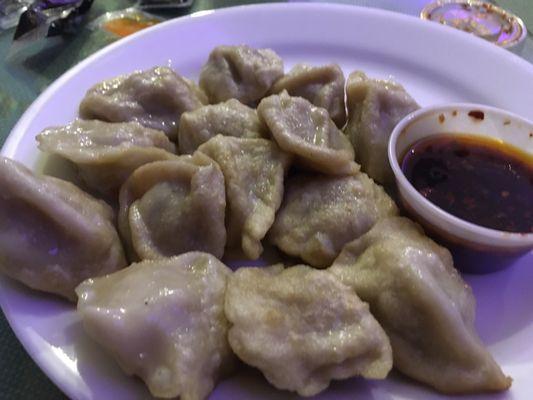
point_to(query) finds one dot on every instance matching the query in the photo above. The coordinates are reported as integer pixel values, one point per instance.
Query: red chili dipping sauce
(477, 179)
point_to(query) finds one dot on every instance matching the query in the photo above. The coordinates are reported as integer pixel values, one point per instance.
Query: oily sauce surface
(474, 178)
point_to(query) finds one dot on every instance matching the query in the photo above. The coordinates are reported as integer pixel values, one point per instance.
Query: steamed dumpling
(163, 320)
(172, 207)
(155, 98)
(424, 306)
(106, 153)
(52, 234)
(240, 72)
(307, 131)
(374, 108)
(323, 86)
(253, 170)
(231, 118)
(303, 328)
(321, 213)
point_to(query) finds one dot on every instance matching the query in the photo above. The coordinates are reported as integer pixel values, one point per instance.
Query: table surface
(23, 78)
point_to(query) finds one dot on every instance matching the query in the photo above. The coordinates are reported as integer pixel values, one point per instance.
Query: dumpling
(424, 306)
(240, 72)
(53, 235)
(321, 213)
(231, 118)
(374, 108)
(307, 131)
(172, 207)
(302, 328)
(155, 98)
(253, 170)
(163, 320)
(323, 86)
(106, 153)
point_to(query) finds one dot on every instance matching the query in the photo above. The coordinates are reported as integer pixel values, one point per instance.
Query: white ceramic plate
(436, 64)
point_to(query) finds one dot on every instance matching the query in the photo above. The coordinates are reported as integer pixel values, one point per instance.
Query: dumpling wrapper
(307, 131)
(155, 98)
(374, 108)
(323, 86)
(230, 118)
(163, 320)
(172, 207)
(106, 153)
(302, 328)
(253, 171)
(240, 72)
(52, 234)
(321, 213)
(423, 304)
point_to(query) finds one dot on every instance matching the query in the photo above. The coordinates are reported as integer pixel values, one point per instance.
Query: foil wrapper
(10, 11)
(51, 18)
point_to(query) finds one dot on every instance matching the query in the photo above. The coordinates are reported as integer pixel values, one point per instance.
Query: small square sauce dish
(465, 173)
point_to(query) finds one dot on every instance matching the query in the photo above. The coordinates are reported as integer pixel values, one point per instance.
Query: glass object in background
(480, 18)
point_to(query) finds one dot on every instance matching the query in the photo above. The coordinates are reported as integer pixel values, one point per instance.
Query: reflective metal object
(483, 19)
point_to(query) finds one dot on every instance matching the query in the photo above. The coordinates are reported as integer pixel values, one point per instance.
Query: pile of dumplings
(194, 175)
